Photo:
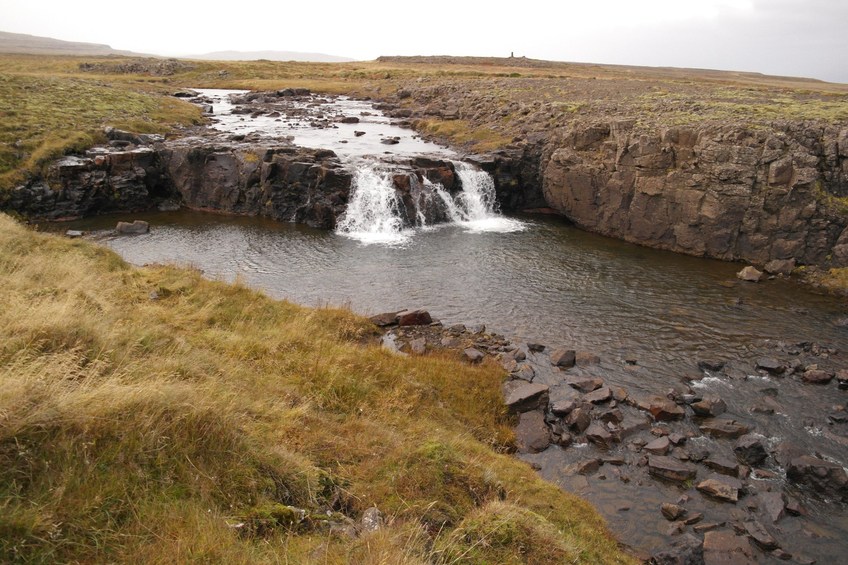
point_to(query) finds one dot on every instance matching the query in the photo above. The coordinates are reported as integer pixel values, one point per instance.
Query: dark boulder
(822, 476)
(532, 434)
(751, 450)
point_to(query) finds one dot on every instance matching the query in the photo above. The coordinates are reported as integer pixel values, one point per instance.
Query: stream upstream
(649, 315)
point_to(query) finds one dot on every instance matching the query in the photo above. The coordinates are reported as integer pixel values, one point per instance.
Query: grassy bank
(193, 424)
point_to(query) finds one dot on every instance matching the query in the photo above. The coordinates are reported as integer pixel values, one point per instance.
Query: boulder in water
(749, 274)
(134, 228)
(414, 318)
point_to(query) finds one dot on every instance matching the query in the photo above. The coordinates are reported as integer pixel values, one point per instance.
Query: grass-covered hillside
(152, 416)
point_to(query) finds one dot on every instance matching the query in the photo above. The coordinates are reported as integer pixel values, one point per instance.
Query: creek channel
(649, 316)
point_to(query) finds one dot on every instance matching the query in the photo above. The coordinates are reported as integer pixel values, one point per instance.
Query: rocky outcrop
(274, 179)
(727, 192)
(285, 183)
(101, 182)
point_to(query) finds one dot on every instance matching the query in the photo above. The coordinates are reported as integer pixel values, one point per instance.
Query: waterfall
(376, 212)
(477, 199)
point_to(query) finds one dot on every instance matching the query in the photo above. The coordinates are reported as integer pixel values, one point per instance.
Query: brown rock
(723, 428)
(527, 396)
(385, 319)
(817, 377)
(659, 446)
(760, 536)
(599, 435)
(721, 489)
(672, 512)
(414, 318)
(663, 409)
(670, 469)
(579, 419)
(709, 406)
(823, 476)
(749, 274)
(603, 394)
(135, 228)
(726, 548)
(472, 355)
(532, 434)
(563, 358)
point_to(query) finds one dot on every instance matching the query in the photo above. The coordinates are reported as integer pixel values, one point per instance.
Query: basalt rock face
(284, 183)
(101, 182)
(727, 192)
(273, 179)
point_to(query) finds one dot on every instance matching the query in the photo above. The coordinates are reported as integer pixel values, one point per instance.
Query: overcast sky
(786, 37)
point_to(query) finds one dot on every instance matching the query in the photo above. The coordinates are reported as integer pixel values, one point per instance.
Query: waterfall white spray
(374, 211)
(477, 199)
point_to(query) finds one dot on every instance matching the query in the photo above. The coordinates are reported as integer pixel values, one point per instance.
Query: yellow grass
(143, 430)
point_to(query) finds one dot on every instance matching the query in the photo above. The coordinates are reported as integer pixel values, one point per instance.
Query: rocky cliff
(274, 179)
(729, 192)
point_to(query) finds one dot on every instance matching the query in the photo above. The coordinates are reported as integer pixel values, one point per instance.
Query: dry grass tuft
(146, 431)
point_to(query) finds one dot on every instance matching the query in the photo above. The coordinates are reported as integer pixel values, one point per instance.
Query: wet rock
(527, 396)
(349, 120)
(771, 365)
(771, 505)
(676, 528)
(585, 358)
(659, 446)
(749, 274)
(414, 318)
(135, 228)
(726, 548)
(563, 358)
(472, 355)
(724, 488)
(766, 405)
(709, 406)
(532, 434)
(563, 407)
(780, 266)
(603, 394)
(817, 377)
(663, 410)
(822, 476)
(760, 536)
(372, 520)
(536, 347)
(672, 512)
(708, 527)
(599, 435)
(564, 439)
(693, 519)
(842, 378)
(579, 420)
(670, 469)
(588, 467)
(584, 384)
(723, 428)
(711, 366)
(688, 550)
(610, 416)
(722, 465)
(750, 449)
(525, 372)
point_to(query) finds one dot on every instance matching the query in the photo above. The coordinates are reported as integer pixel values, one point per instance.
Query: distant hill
(33, 44)
(268, 55)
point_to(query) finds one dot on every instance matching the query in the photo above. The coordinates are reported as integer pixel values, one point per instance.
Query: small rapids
(376, 213)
